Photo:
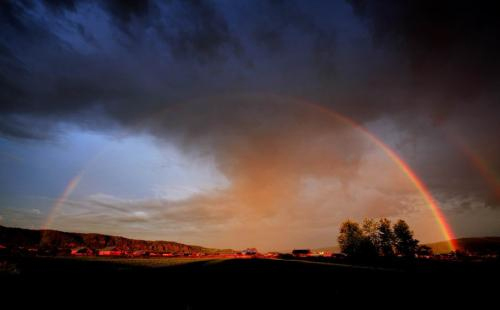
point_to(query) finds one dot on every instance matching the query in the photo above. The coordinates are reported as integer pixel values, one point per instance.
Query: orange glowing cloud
(293, 178)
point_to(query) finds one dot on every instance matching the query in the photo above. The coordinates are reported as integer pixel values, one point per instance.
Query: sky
(222, 123)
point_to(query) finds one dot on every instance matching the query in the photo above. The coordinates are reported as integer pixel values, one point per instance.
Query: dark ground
(241, 283)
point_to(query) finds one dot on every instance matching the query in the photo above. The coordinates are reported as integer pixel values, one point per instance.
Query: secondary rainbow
(477, 162)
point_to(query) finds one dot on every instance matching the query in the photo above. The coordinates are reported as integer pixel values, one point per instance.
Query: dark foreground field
(187, 283)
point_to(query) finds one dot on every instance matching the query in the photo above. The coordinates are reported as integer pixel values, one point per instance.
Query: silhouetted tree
(372, 239)
(369, 247)
(370, 231)
(350, 238)
(386, 238)
(405, 244)
(424, 250)
(356, 241)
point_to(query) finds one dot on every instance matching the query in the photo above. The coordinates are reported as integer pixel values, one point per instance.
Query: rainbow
(401, 164)
(477, 162)
(405, 168)
(70, 187)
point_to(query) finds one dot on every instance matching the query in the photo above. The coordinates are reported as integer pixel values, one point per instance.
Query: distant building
(249, 251)
(140, 253)
(301, 252)
(272, 254)
(110, 251)
(81, 251)
(339, 255)
(320, 254)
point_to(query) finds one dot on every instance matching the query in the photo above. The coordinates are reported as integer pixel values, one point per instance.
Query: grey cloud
(163, 68)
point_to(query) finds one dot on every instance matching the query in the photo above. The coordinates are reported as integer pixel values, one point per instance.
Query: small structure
(139, 253)
(110, 251)
(272, 254)
(249, 251)
(339, 256)
(301, 252)
(81, 251)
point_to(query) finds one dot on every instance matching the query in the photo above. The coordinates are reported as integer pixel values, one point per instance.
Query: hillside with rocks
(59, 241)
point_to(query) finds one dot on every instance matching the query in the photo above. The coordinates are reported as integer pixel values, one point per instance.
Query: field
(198, 283)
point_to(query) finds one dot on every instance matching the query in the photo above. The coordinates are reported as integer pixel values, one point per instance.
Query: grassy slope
(482, 245)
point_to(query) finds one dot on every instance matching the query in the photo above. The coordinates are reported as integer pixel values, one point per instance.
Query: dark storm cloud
(59, 65)
(276, 18)
(458, 32)
(163, 67)
(125, 10)
(452, 46)
(451, 53)
(60, 5)
(203, 34)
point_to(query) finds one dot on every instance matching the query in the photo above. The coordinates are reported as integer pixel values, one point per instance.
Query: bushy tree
(405, 244)
(370, 242)
(370, 230)
(378, 238)
(424, 250)
(350, 238)
(358, 241)
(372, 239)
(386, 238)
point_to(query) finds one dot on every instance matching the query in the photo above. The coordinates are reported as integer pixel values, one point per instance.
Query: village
(307, 254)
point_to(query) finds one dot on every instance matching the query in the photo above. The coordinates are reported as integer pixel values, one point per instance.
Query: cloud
(36, 211)
(217, 79)
(292, 186)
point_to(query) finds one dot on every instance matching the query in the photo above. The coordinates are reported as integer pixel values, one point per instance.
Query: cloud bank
(223, 78)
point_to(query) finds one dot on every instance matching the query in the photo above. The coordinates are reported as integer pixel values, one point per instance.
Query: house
(81, 251)
(249, 251)
(111, 251)
(325, 253)
(272, 254)
(339, 256)
(301, 252)
(140, 253)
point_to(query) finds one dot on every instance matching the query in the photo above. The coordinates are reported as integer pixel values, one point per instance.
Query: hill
(477, 245)
(57, 241)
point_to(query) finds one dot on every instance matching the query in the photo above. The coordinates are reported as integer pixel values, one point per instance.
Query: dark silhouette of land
(188, 283)
(51, 276)
(54, 242)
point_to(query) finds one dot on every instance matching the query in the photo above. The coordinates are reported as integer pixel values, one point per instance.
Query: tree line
(372, 239)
